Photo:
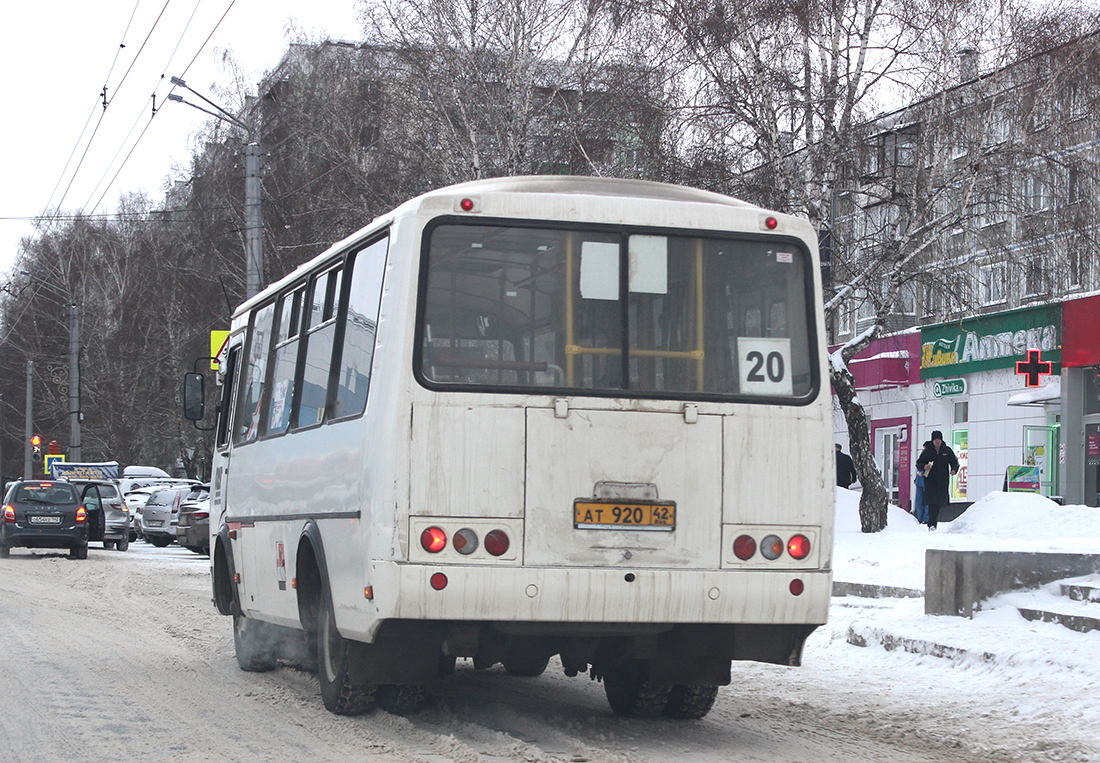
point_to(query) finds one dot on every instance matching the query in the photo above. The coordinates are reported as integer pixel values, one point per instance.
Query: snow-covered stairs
(1077, 606)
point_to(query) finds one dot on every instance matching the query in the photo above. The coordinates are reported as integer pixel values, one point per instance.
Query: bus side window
(228, 385)
(246, 422)
(359, 323)
(285, 360)
(309, 403)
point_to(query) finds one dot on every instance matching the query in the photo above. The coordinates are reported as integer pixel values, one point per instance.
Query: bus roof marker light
(466, 205)
(769, 223)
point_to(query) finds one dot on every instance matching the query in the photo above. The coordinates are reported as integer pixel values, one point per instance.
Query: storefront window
(1092, 390)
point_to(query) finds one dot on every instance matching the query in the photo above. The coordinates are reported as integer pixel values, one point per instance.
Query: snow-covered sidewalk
(998, 638)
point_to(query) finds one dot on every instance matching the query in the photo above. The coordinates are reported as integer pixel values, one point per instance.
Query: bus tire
(631, 695)
(339, 693)
(690, 702)
(401, 700)
(254, 645)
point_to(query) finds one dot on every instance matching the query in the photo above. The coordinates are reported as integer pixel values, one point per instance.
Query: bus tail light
(797, 587)
(744, 547)
(799, 547)
(465, 541)
(433, 540)
(496, 542)
(771, 547)
(438, 581)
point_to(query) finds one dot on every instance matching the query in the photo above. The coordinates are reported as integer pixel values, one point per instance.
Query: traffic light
(36, 447)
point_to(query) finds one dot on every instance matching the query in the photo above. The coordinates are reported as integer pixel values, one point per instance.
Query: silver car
(160, 514)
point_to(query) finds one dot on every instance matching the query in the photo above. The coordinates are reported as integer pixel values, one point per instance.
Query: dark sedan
(193, 529)
(45, 514)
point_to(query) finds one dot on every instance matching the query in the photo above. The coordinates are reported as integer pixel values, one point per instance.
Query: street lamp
(253, 221)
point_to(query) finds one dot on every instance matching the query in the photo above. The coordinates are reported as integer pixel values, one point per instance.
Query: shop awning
(1048, 393)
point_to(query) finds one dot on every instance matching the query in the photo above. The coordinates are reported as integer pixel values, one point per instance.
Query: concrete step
(1075, 622)
(1081, 591)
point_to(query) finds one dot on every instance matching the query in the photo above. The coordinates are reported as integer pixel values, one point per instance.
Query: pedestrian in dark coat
(938, 462)
(845, 469)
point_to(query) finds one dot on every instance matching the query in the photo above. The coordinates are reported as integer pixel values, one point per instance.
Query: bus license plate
(605, 515)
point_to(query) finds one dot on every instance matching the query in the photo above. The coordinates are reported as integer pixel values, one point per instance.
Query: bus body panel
(468, 460)
(674, 461)
(595, 596)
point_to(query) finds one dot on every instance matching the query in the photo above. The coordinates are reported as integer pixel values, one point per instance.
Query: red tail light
(81, 516)
(438, 581)
(200, 515)
(744, 547)
(799, 546)
(433, 540)
(496, 542)
(9, 513)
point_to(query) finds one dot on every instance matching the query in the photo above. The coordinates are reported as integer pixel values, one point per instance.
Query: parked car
(160, 514)
(193, 528)
(108, 515)
(46, 514)
(137, 491)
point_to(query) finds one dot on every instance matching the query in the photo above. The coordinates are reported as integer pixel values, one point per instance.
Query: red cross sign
(1034, 367)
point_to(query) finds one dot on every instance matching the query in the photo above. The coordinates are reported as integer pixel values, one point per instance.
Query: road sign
(219, 347)
(50, 460)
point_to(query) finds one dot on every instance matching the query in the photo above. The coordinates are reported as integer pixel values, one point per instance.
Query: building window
(991, 283)
(962, 411)
(933, 300)
(1036, 191)
(844, 319)
(1034, 276)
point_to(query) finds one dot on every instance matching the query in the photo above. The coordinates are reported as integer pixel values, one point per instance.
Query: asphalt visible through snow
(122, 657)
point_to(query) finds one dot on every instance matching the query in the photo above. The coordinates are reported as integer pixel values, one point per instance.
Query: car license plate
(44, 520)
(606, 515)
(155, 522)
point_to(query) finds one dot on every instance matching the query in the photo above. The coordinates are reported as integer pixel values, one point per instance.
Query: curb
(891, 643)
(870, 591)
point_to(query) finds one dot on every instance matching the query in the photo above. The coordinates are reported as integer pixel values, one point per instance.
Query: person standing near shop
(938, 462)
(845, 469)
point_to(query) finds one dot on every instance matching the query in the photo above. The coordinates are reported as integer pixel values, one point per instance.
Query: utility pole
(74, 382)
(253, 218)
(253, 221)
(28, 428)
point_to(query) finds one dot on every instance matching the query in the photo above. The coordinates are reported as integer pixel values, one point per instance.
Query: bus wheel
(631, 694)
(401, 700)
(690, 702)
(254, 644)
(340, 695)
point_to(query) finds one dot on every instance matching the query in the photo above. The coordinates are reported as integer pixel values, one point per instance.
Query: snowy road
(122, 657)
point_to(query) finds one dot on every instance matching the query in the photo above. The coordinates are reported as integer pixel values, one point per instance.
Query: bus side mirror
(194, 397)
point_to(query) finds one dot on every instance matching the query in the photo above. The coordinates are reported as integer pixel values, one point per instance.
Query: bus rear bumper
(593, 596)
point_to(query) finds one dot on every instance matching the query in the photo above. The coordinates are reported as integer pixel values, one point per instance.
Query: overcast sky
(58, 55)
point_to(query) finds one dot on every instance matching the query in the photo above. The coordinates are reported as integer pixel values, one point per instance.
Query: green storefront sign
(949, 387)
(991, 341)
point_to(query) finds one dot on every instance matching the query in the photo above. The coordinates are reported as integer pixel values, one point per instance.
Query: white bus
(526, 417)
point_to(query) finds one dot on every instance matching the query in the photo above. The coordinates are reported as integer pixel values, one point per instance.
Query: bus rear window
(612, 312)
